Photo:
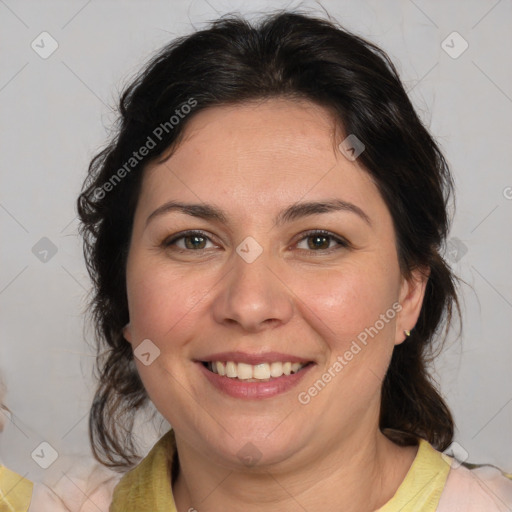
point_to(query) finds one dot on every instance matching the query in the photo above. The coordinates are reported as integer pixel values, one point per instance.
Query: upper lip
(253, 359)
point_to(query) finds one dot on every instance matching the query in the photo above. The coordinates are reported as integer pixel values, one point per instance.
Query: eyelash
(342, 243)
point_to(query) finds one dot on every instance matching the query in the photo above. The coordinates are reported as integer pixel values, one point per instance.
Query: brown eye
(191, 241)
(317, 241)
(195, 242)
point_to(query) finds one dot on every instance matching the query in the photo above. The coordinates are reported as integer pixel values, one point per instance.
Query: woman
(264, 236)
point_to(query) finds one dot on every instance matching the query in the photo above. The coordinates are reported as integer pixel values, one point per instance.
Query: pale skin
(252, 162)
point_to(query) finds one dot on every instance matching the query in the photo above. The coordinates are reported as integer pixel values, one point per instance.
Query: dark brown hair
(295, 56)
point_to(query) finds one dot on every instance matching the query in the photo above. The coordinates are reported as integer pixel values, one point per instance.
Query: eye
(320, 241)
(189, 241)
(312, 241)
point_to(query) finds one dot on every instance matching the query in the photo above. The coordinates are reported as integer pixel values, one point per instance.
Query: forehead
(258, 131)
(259, 155)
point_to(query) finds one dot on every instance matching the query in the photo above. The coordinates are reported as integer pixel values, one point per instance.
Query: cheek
(353, 313)
(342, 304)
(162, 301)
(164, 306)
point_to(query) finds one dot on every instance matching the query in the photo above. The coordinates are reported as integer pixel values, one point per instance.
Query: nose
(252, 297)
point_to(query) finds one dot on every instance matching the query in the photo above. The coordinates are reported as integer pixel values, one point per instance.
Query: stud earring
(407, 332)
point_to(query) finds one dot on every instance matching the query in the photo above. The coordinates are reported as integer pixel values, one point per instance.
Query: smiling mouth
(263, 372)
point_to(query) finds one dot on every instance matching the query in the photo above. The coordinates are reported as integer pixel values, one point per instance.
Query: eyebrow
(289, 214)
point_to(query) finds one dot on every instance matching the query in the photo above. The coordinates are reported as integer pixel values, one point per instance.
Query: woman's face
(259, 243)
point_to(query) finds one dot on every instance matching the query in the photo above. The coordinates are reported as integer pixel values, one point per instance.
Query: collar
(146, 487)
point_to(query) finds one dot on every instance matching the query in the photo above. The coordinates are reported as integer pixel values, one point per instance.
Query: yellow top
(15, 491)
(147, 487)
(422, 486)
(433, 484)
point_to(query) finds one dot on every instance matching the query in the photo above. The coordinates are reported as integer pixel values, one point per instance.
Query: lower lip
(254, 390)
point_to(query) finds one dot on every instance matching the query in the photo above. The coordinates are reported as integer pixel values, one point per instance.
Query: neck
(361, 474)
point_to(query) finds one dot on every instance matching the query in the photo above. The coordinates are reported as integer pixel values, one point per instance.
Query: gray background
(55, 116)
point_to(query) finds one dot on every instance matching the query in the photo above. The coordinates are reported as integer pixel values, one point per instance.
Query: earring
(407, 332)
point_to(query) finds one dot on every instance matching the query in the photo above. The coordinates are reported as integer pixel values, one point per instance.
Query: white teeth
(221, 369)
(244, 371)
(276, 369)
(262, 371)
(231, 370)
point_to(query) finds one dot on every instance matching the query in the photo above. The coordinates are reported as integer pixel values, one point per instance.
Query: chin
(254, 450)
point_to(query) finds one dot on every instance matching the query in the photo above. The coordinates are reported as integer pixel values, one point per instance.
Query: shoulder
(474, 490)
(81, 485)
(146, 487)
(15, 491)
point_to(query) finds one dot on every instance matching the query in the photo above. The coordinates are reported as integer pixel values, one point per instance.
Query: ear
(127, 333)
(412, 292)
